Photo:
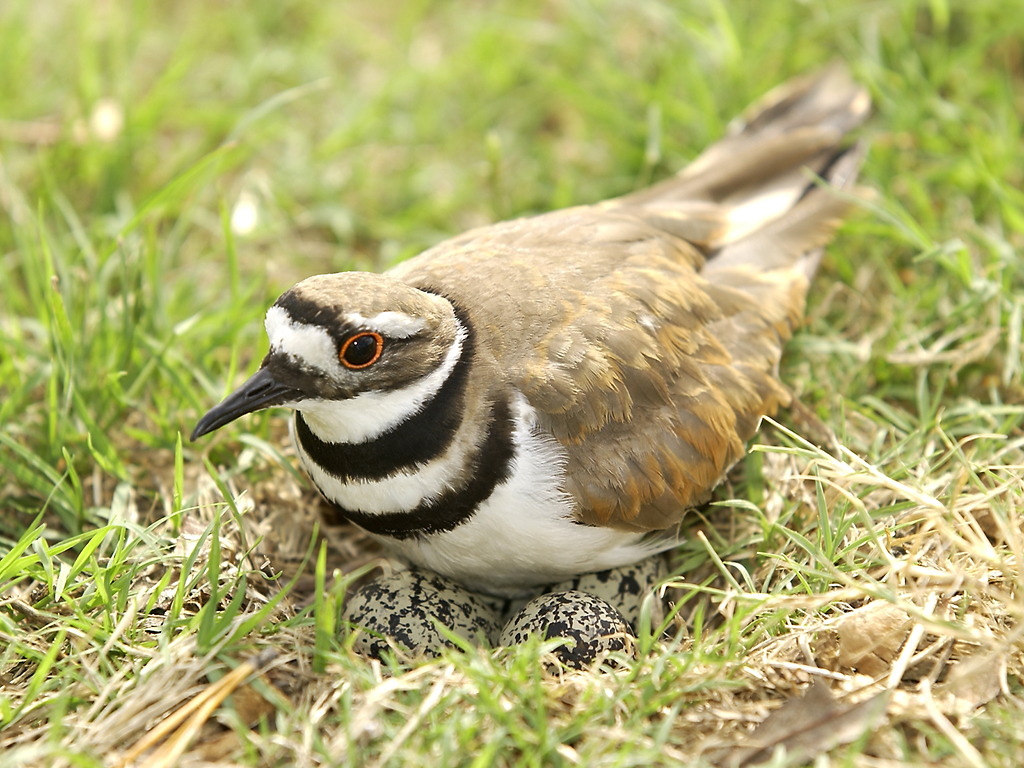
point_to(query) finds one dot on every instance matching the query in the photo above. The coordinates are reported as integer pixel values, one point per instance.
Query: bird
(548, 396)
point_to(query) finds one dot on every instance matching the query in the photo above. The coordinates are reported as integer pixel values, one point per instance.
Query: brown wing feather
(650, 338)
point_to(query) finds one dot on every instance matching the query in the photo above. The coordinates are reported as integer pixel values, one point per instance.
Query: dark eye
(361, 350)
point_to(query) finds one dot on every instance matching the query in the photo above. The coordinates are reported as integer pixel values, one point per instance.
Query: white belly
(524, 535)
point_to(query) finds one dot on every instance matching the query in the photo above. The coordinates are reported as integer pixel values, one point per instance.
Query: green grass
(136, 569)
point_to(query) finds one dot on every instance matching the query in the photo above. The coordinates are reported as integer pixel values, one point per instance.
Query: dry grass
(779, 604)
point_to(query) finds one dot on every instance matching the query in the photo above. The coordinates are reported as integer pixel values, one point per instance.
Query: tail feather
(753, 194)
(800, 123)
(802, 229)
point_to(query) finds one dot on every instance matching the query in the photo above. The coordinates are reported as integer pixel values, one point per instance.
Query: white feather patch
(650, 322)
(770, 202)
(396, 325)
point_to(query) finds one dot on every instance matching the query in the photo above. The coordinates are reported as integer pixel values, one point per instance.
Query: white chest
(522, 535)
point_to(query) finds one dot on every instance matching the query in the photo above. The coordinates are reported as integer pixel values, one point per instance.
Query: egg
(598, 612)
(592, 624)
(624, 588)
(403, 605)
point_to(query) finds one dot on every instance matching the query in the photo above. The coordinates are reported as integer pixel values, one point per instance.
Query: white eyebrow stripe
(396, 325)
(309, 343)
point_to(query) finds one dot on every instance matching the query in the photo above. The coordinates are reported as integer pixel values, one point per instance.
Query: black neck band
(491, 467)
(417, 440)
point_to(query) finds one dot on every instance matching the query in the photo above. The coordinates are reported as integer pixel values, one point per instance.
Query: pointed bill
(261, 391)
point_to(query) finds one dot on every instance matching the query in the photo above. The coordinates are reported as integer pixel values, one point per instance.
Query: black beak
(262, 390)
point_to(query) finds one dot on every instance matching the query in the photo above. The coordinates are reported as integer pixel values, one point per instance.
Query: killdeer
(548, 396)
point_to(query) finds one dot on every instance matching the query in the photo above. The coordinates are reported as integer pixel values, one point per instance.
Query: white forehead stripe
(369, 415)
(396, 325)
(309, 343)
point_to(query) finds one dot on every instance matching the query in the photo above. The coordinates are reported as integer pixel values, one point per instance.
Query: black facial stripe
(410, 444)
(455, 506)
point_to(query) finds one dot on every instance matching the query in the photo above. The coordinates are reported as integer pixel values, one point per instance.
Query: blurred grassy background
(167, 169)
(353, 135)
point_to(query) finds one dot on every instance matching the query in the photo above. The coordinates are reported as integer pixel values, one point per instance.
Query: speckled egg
(401, 606)
(594, 625)
(624, 588)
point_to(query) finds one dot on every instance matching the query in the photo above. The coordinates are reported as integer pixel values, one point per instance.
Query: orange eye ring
(357, 354)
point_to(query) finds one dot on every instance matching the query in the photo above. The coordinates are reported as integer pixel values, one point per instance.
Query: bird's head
(336, 337)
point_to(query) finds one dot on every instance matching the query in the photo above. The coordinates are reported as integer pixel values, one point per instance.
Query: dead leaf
(215, 748)
(871, 636)
(250, 705)
(972, 682)
(807, 727)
